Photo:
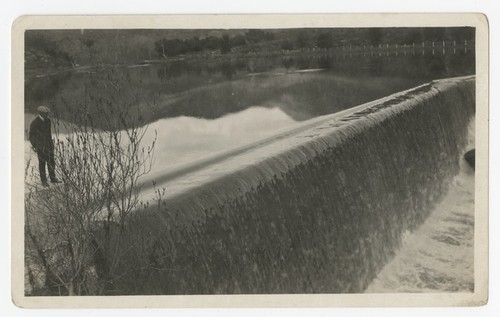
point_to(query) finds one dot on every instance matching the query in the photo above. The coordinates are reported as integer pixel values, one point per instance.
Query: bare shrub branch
(75, 231)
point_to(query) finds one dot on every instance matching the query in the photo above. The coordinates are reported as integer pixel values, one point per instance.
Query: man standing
(40, 137)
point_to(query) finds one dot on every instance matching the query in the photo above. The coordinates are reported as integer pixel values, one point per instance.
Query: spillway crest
(317, 210)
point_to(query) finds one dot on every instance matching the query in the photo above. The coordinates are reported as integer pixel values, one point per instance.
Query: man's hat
(43, 109)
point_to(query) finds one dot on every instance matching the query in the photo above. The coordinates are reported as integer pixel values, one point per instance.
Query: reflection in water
(165, 82)
(299, 93)
(203, 106)
(185, 139)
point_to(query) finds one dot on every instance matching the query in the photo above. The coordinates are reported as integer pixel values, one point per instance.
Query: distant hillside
(53, 49)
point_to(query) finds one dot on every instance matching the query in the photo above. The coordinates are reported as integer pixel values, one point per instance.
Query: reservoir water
(199, 108)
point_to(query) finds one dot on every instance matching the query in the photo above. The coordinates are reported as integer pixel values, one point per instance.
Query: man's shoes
(44, 184)
(55, 181)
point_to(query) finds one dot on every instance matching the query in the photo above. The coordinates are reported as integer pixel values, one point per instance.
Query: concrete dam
(320, 208)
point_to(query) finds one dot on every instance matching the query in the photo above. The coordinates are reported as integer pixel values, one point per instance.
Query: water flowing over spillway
(439, 255)
(320, 208)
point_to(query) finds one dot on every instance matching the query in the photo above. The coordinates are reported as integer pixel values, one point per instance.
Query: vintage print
(251, 160)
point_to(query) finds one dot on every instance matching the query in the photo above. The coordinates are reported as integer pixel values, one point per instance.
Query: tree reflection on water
(210, 88)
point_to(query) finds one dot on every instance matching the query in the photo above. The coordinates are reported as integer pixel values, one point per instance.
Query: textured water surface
(439, 255)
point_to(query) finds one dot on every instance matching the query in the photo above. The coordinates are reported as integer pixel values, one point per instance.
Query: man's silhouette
(40, 137)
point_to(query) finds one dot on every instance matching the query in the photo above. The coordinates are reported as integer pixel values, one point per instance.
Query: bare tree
(74, 231)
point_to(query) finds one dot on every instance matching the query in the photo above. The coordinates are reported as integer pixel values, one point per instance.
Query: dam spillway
(320, 208)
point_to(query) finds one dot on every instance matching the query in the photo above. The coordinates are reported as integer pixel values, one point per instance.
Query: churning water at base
(439, 255)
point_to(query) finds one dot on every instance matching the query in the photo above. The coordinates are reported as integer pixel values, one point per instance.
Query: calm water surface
(201, 109)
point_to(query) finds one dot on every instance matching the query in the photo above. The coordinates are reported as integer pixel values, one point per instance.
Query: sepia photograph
(320, 156)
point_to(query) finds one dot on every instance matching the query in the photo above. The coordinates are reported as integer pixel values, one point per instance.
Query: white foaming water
(439, 255)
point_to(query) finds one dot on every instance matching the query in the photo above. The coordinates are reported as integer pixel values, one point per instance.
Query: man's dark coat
(41, 139)
(40, 135)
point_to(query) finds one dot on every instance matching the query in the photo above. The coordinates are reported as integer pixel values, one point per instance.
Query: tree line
(66, 48)
(224, 44)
